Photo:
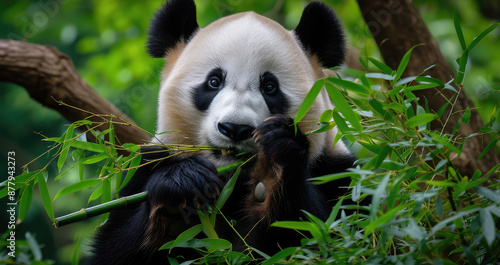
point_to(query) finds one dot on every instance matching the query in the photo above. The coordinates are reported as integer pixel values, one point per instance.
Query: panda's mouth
(226, 152)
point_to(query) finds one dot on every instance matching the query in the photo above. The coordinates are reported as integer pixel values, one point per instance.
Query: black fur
(176, 188)
(276, 101)
(203, 95)
(321, 34)
(174, 22)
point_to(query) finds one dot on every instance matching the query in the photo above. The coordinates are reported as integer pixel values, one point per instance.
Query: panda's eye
(214, 82)
(270, 88)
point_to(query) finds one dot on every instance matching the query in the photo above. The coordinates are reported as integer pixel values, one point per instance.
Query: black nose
(236, 132)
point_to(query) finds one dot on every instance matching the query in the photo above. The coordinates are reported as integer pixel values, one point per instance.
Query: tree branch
(50, 77)
(397, 26)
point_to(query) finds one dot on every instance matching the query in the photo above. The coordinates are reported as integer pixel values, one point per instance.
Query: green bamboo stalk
(119, 203)
(100, 209)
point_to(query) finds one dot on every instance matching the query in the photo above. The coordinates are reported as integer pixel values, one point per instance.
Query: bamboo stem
(86, 213)
(120, 203)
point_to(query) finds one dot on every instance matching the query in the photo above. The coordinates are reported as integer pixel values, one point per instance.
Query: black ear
(321, 34)
(174, 22)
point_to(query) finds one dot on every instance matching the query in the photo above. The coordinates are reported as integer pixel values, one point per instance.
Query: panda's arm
(176, 187)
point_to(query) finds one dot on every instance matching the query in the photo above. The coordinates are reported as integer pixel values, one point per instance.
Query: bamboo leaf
(227, 190)
(94, 159)
(96, 194)
(183, 237)
(349, 85)
(404, 63)
(342, 106)
(93, 147)
(105, 195)
(130, 173)
(334, 212)
(483, 34)
(279, 256)
(488, 148)
(25, 202)
(466, 116)
(380, 65)
(308, 101)
(44, 193)
(379, 192)
(213, 243)
(420, 119)
(386, 217)
(65, 148)
(458, 29)
(85, 184)
(34, 246)
(296, 225)
(487, 226)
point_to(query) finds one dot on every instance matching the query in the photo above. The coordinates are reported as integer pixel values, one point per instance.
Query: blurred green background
(106, 40)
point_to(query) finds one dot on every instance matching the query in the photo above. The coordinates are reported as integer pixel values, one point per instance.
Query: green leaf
(386, 217)
(377, 160)
(76, 247)
(35, 248)
(466, 116)
(379, 192)
(105, 195)
(44, 193)
(343, 107)
(439, 207)
(215, 243)
(308, 101)
(327, 178)
(183, 237)
(483, 34)
(487, 226)
(420, 119)
(404, 63)
(296, 225)
(334, 212)
(429, 79)
(488, 148)
(136, 161)
(94, 159)
(85, 184)
(25, 202)
(93, 147)
(487, 193)
(95, 194)
(131, 147)
(380, 65)
(458, 29)
(65, 148)
(280, 255)
(349, 85)
(228, 189)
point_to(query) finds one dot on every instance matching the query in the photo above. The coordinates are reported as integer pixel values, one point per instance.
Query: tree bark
(397, 27)
(50, 77)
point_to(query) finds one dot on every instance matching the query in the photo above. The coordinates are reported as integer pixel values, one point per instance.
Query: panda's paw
(278, 142)
(189, 183)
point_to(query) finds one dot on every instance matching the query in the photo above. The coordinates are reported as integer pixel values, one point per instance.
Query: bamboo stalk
(120, 203)
(86, 213)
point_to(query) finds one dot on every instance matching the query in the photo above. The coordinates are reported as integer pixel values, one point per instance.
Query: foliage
(409, 173)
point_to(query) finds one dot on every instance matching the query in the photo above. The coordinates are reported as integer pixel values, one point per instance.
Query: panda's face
(229, 78)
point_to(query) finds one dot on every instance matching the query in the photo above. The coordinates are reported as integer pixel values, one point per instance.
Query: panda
(235, 85)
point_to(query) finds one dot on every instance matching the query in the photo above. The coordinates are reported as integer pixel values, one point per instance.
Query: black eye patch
(204, 93)
(276, 101)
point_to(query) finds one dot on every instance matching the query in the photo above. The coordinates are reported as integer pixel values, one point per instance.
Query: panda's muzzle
(235, 132)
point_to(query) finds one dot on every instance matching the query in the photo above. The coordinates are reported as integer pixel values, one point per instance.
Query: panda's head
(221, 81)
